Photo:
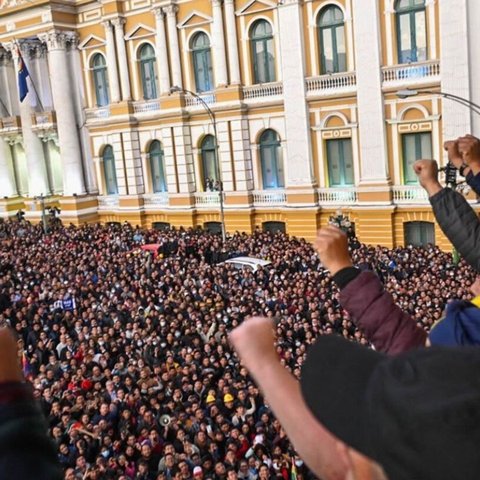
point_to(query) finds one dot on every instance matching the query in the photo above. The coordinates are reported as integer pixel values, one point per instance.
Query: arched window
(263, 57)
(411, 31)
(209, 164)
(99, 68)
(331, 33)
(148, 71)
(157, 168)
(202, 62)
(272, 165)
(109, 171)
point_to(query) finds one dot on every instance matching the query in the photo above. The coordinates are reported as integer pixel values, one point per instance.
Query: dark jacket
(473, 181)
(459, 223)
(387, 327)
(26, 452)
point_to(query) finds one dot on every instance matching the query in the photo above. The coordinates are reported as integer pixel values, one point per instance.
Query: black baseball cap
(416, 414)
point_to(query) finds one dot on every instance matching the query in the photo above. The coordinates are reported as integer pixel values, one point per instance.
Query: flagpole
(31, 78)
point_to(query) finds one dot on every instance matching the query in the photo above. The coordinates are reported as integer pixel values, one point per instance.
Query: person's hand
(254, 342)
(10, 370)
(332, 248)
(427, 173)
(454, 155)
(469, 147)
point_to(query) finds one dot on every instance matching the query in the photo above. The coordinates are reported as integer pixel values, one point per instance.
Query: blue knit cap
(461, 326)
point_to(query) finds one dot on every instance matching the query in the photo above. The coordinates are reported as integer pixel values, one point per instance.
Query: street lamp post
(176, 89)
(41, 198)
(455, 98)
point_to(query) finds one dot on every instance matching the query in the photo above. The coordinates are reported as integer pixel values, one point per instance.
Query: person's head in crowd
(115, 338)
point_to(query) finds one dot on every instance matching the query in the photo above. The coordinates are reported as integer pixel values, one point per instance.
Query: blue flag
(22, 77)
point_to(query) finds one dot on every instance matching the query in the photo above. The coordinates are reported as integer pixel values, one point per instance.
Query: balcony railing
(332, 84)
(207, 199)
(97, 113)
(191, 101)
(268, 198)
(412, 72)
(108, 202)
(146, 106)
(409, 194)
(155, 199)
(263, 90)
(337, 196)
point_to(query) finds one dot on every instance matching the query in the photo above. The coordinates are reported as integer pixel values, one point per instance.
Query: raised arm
(385, 324)
(254, 343)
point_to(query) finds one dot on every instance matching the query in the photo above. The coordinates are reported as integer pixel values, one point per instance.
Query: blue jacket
(473, 181)
(460, 326)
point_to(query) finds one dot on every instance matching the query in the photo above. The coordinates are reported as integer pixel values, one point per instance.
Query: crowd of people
(128, 353)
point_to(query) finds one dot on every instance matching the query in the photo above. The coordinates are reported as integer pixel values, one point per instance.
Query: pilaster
(111, 63)
(161, 51)
(118, 24)
(171, 12)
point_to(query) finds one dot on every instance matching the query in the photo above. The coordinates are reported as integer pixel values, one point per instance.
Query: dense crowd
(128, 354)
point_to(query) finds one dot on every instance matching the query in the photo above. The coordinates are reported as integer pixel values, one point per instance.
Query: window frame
(273, 146)
(425, 229)
(266, 41)
(157, 156)
(149, 62)
(100, 80)
(202, 56)
(419, 154)
(411, 12)
(108, 156)
(341, 142)
(332, 27)
(204, 150)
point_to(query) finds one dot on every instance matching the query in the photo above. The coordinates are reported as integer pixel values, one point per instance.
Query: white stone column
(112, 63)
(473, 14)
(80, 103)
(37, 169)
(171, 12)
(8, 187)
(456, 118)
(219, 58)
(298, 158)
(63, 100)
(118, 24)
(7, 93)
(231, 26)
(372, 130)
(161, 51)
(42, 81)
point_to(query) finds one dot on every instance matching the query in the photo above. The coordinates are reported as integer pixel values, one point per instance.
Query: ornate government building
(116, 125)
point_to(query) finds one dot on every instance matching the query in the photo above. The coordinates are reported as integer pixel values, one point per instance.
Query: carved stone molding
(171, 10)
(55, 40)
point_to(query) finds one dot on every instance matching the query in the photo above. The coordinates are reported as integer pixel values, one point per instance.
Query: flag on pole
(22, 77)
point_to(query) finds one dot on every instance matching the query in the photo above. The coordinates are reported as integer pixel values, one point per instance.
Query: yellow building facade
(117, 122)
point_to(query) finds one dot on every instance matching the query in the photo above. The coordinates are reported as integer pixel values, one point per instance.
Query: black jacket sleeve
(459, 223)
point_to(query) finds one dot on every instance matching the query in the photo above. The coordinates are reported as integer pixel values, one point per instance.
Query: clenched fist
(332, 248)
(427, 173)
(469, 147)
